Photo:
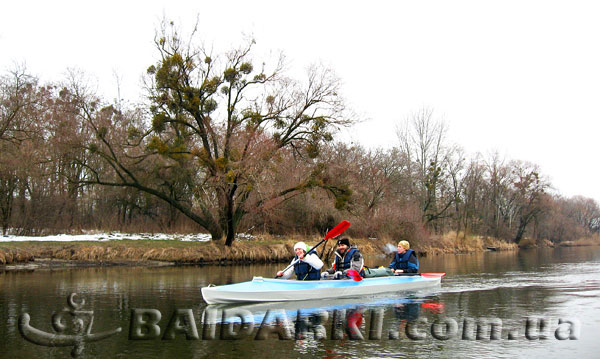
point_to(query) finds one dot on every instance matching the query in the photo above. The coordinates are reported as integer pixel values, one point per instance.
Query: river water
(497, 291)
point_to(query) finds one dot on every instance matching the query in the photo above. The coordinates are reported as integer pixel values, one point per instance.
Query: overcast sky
(518, 77)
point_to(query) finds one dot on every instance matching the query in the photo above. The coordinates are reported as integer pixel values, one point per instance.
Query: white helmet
(300, 245)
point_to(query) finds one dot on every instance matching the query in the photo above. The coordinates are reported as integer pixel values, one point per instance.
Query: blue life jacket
(345, 264)
(305, 271)
(401, 261)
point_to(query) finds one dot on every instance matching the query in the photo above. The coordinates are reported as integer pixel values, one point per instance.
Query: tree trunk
(521, 229)
(230, 237)
(231, 227)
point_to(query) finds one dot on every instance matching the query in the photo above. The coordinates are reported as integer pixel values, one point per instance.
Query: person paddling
(346, 258)
(306, 266)
(405, 260)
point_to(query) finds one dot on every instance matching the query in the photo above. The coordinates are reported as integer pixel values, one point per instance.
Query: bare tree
(469, 187)
(422, 140)
(584, 211)
(529, 195)
(18, 98)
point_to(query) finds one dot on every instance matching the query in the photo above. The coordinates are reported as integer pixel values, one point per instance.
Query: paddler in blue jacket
(306, 266)
(346, 258)
(405, 260)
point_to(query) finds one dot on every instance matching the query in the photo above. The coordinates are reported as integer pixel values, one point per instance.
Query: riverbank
(27, 255)
(454, 243)
(263, 249)
(266, 249)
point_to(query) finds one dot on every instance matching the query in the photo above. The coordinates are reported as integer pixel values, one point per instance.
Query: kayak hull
(278, 290)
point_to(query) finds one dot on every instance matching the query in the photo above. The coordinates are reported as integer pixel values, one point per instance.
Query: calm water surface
(552, 284)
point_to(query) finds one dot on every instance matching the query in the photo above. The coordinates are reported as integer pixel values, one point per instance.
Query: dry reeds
(594, 240)
(453, 242)
(15, 255)
(265, 249)
(499, 244)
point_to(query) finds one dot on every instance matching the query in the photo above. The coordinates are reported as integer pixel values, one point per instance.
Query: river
(497, 291)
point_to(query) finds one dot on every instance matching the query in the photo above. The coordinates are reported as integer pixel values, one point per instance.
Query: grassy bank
(453, 242)
(593, 240)
(263, 249)
(269, 249)
(15, 255)
(581, 242)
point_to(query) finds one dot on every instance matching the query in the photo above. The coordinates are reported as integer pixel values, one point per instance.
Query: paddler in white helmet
(306, 266)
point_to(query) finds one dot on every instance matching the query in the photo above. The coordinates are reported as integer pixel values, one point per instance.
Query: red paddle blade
(354, 275)
(337, 230)
(432, 275)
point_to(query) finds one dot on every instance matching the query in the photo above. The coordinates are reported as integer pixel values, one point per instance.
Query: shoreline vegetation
(30, 255)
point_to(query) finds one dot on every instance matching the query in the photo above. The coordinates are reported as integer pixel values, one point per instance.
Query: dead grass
(15, 255)
(528, 242)
(499, 244)
(261, 249)
(581, 242)
(453, 242)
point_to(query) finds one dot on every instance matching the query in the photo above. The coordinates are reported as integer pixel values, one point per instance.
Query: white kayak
(261, 289)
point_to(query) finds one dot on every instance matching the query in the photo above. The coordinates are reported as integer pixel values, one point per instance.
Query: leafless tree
(422, 139)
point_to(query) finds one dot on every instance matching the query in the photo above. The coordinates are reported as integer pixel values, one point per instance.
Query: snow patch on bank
(113, 236)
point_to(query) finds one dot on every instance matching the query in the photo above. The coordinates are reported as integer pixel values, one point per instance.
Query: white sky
(520, 77)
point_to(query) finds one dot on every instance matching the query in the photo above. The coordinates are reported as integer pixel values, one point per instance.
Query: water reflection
(407, 311)
(408, 303)
(510, 286)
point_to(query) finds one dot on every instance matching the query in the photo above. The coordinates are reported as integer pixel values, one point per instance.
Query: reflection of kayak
(312, 306)
(306, 308)
(404, 306)
(275, 290)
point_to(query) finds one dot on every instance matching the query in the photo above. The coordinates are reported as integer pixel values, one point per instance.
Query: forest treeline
(226, 144)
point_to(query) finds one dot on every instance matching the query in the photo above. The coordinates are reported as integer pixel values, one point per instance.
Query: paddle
(426, 275)
(335, 231)
(354, 275)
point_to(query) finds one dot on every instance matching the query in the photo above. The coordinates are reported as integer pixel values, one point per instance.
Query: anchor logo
(81, 329)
